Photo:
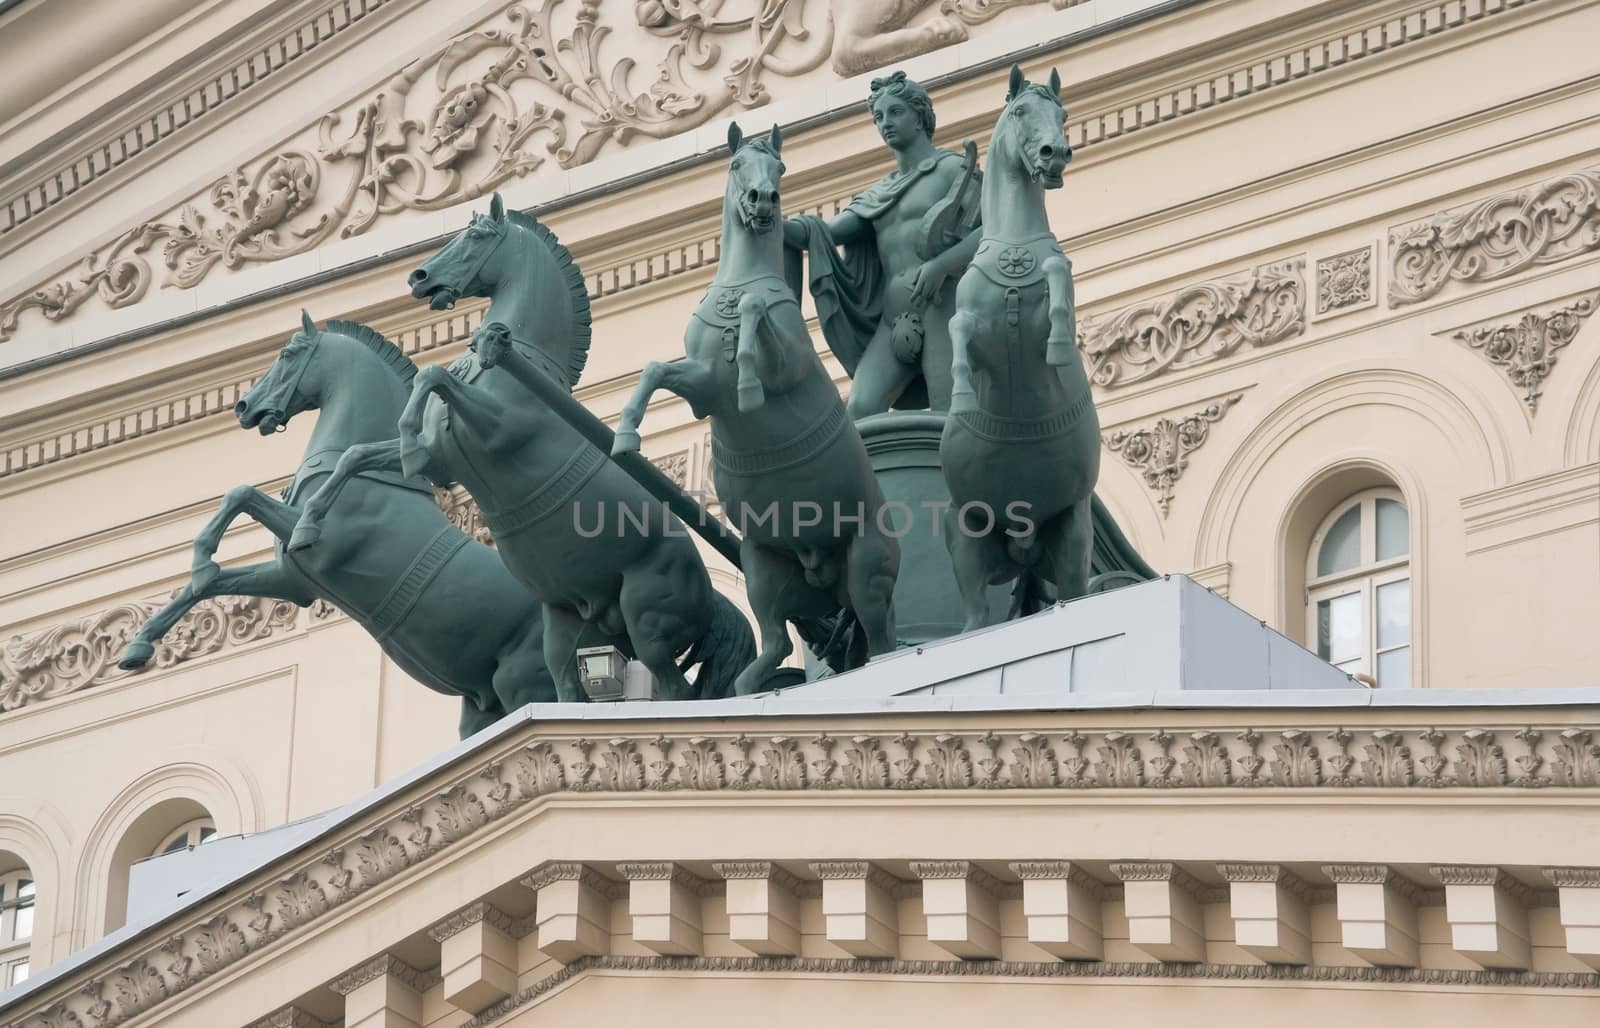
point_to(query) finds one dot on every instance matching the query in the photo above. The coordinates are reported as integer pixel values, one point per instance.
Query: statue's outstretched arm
(847, 227)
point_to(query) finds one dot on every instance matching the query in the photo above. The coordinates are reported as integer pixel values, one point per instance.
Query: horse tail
(727, 648)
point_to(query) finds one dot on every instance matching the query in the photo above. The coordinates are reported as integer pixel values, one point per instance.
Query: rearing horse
(439, 603)
(1021, 448)
(788, 464)
(610, 563)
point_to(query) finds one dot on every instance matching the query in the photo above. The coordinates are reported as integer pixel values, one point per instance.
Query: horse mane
(582, 322)
(764, 144)
(372, 339)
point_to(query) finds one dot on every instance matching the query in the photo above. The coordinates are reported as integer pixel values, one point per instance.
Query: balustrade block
(1271, 912)
(962, 906)
(858, 908)
(1488, 916)
(1062, 906)
(477, 956)
(763, 907)
(1377, 912)
(1578, 895)
(664, 906)
(1163, 909)
(573, 910)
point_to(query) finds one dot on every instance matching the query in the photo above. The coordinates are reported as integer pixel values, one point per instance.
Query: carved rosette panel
(1344, 281)
(1196, 325)
(539, 81)
(83, 653)
(1490, 239)
(1160, 453)
(1525, 349)
(1310, 757)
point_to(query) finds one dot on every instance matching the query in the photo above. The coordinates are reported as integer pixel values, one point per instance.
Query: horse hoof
(963, 402)
(203, 575)
(751, 397)
(625, 443)
(1058, 352)
(305, 535)
(136, 656)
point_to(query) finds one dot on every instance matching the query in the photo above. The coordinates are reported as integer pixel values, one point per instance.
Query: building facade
(1335, 267)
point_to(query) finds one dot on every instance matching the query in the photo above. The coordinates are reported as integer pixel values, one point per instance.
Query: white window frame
(189, 832)
(14, 951)
(1363, 579)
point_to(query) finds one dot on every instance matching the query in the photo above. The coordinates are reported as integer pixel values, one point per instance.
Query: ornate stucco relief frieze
(403, 152)
(1526, 349)
(1312, 757)
(1160, 452)
(1196, 325)
(1490, 239)
(1344, 281)
(83, 653)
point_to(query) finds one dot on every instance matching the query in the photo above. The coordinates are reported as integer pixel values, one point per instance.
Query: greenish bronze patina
(440, 604)
(610, 563)
(1021, 447)
(784, 449)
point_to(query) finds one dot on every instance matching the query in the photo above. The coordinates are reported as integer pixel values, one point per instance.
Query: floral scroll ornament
(1161, 452)
(1526, 349)
(1493, 238)
(503, 100)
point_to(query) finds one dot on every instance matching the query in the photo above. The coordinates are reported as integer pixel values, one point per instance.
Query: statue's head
(753, 176)
(284, 390)
(900, 108)
(1036, 122)
(463, 267)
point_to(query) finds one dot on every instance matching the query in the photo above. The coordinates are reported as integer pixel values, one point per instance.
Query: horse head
(462, 268)
(753, 176)
(1035, 117)
(284, 390)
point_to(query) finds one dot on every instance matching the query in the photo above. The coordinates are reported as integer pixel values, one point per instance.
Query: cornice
(1028, 870)
(469, 915)
(572, 871)
(387, 964)
(295, 893)
(1062, 970)
(1296, 64)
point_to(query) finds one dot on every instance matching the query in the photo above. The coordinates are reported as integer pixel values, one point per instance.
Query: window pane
(19, 972)
(1341, 548)
(1394, 613)
(181, 842)
(1394, 530)
(1394, 668)
(1339, 628)
(206, 832)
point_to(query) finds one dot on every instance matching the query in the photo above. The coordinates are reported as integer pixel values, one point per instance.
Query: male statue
(885, 303)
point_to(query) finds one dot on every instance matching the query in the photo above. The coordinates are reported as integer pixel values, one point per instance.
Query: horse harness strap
(557, 492)
(405, 593)
(719, 307)
(1012, 264)
(323, 462)
(803, 447)
(997, 429)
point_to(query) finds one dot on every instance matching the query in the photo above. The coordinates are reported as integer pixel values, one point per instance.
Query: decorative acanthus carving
(1525, 349)
(469, 915)
(1160, 452)
(1196, 325)
(1344, 280)
(83, 653)
(1490, 239)
(1464, 758)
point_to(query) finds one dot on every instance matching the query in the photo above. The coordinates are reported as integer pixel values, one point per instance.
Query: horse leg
(384, 456)
(268, 579)
(1061, 347)
(1068, 544)
(752, 312)
(653, 600)
(872, 562)
(475, 719)
(278, 518)
(772, 581)
(963, 328)
(977, 561)
(691, 379)
(520, 674)
(561, 631)
(479, 411)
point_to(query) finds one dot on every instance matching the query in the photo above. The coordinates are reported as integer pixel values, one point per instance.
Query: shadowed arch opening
(152, 833)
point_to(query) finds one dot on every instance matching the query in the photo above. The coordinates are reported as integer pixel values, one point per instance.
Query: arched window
(187, 836)
(16, 925)
(1358, 588)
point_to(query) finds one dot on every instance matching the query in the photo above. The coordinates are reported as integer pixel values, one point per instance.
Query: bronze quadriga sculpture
(439, 603)
(788, 464)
